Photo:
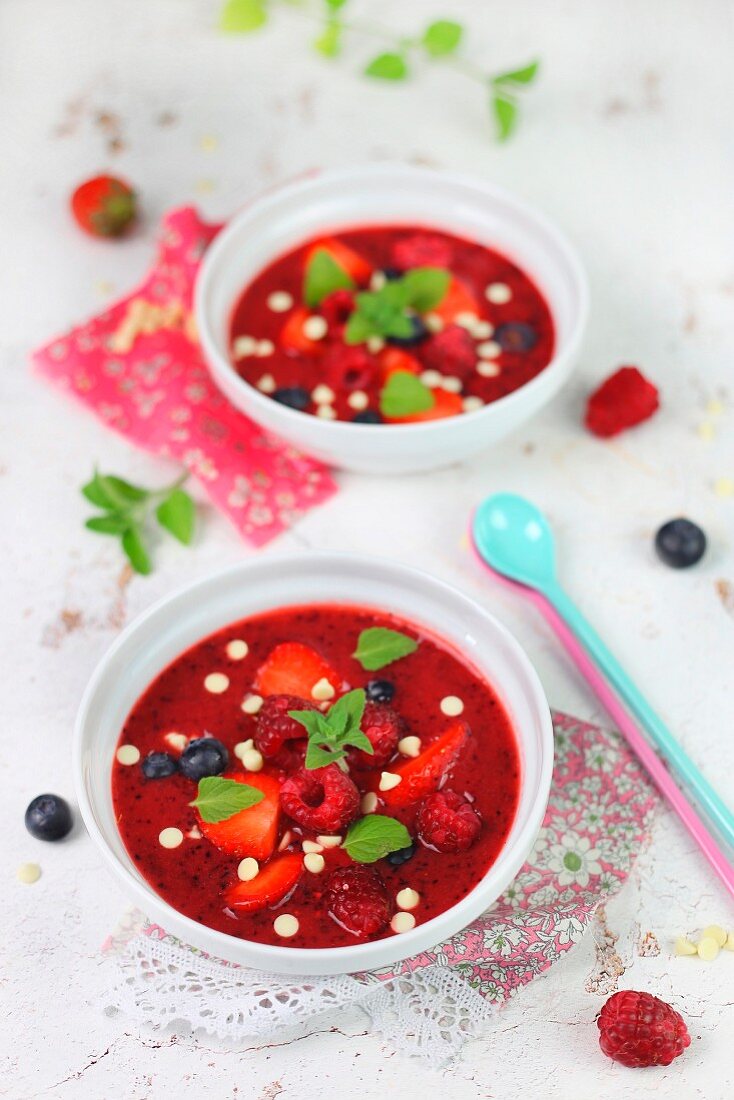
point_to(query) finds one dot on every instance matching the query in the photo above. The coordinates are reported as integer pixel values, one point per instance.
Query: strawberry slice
(421, 776)
(445, 404)
(292, 336)
(394, 359)
(457, 299)
(351, 261)
(293, 669)
(273, 882)
(252, 832)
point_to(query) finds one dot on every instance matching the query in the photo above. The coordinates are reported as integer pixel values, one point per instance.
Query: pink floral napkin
(139, 367)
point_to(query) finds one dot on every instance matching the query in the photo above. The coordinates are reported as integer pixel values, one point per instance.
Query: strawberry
(292, 336)
(423, 775)
(252, 832)
(351, 261)
(104, 206)
(293, 669)
(394, 359)
(445, 404)
(272, 884)
(457, 299)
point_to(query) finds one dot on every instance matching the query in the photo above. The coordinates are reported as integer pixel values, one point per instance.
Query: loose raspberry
(357, 899)
(422, 250)
(274, 728)
(324, 800)
(448, 822)
(637, 1029)
(336, 307)
(624, 400)
(451, 352)
(348, 368)
(104, 206)
(383, 727)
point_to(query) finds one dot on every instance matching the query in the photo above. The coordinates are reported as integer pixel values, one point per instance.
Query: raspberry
(348, 368)
(324, 800)
(336, 307)
(637, 1029)
(422, 250)
(451, 352)
(383, 727)
(357, 899)
(274, 728)
(624, 400)
(448, 822)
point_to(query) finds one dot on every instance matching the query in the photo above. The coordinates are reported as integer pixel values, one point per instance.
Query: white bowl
(390, 194)
(169, 627)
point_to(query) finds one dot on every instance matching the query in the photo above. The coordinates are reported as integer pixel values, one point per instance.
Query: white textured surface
(626, 143)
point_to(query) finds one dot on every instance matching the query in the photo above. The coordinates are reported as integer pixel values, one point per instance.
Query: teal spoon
(514, 538)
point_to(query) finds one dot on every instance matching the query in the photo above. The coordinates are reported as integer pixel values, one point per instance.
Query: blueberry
(515, 336)
(295, 397)
(202, 757)
(369, 416)
(392, 273)
(680, 543)
(380, 691)
(397, 859)
(158, 765)
(48, 817)
(419, 333)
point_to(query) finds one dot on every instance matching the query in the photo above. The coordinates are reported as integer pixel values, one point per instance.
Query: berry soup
(315, 777)
(390, 325)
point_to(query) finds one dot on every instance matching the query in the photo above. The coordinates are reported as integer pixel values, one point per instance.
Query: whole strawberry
(637, 1030)
(104, 206)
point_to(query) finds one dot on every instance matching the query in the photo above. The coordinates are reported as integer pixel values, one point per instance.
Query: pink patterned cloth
(158, 393)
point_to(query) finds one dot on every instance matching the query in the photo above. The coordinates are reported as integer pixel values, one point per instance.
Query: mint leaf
(378, 646)
(359, 329)
(218, 799)
(442, 37)
(374, 837)
(111, 524)
(242, 16)
(426, 287)
(388, 66)
(329, 43)
(404, 394)
(526, 75)
(346, 713)
(108, 491)
(134, 547)
(329, 734)
(505, 113)
(322, 277)
(316, 757)
(335, 4)
(177, 513)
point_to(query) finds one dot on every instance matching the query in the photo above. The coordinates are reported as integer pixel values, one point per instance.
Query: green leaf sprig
(387, 311)
(373, 837)
(330, 734)
(127, 508)
(378, 646)
(440, 41)
(218, 799)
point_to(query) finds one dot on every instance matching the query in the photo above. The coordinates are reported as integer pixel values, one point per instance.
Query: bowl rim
(223, 370)
(283, 959)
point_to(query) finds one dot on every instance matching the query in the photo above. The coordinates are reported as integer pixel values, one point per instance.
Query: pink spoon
(642, 750)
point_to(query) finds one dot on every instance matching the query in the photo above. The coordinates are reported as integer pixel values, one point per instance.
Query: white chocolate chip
(216, 682)
(708, 948)
(433, 322)
(242, 747)
(285, 840)
(431, 378)
(451, 706)
(311, 846)
(488, 369)
(176, 741)
(28, 873)
(377, 280)
(315, 328)
(248, 869)
(685, 947)
(329, 841)
(716, 932)
(170, 838)
(498, 294)
(451, 384)
(264, 348)
(482, 330)
(280, 301)
(251, 704)
(127, 754)
(407, 898)
(314, 863)
(322, 690)
(244, 346)
(388, 780)
(488, 349)
(252, 760)
(375, 344)
(466, 319)
(267, 384)
(410, 746)
(358, 400)
(194, 833)
(729, 945)
(286, 925)
(323, 395)
(402, 922)
(326, 412)
(368, 805)
(472, 404)
(237, 650)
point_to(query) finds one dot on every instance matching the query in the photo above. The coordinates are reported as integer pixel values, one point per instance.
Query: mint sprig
(218, 799)
(378, 646)
(331, 733)
(387, 312)
(126, 511)
(322, 277)
(373, 837)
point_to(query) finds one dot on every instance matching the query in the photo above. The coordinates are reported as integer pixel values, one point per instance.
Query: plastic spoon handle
(719, 814)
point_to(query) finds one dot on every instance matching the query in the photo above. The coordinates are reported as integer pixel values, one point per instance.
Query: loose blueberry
(397, 859)
(158, 765)
(515, 336)
(419, 333)
(295, 397)
(48, 817)
(202, 757)
(680, 543)
(369, 416)
(380, 691)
